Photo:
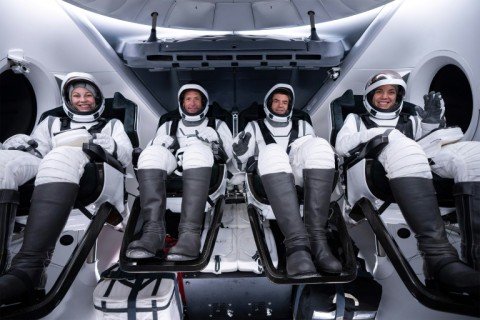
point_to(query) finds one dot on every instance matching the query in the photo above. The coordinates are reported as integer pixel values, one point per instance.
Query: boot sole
(179, 257)
(139, 254)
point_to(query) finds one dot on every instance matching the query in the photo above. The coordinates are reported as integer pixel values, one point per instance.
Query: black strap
(340, 303)
(404, 125)
(267, 135)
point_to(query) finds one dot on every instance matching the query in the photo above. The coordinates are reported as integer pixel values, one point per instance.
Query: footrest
(159, 264)
(278, 276)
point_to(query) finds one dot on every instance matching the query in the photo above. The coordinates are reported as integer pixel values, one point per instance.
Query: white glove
(207, 134)
(164, 141)
(105, 141)
(16, 142)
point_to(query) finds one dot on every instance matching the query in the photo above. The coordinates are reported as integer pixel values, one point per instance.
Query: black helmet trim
(267, 103)
(201, 114)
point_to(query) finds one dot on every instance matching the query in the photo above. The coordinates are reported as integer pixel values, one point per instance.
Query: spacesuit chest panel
(402, 124)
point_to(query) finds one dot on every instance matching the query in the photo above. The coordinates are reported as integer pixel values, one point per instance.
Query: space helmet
(202, 112)
(380, 79)
(267, 103)
(79, 79)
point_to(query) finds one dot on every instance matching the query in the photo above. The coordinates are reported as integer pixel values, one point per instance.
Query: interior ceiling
(228, 15)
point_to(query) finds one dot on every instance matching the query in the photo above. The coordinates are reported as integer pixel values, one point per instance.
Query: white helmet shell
(88, 81)
(203, 112)
(382, 78)
(267, 102)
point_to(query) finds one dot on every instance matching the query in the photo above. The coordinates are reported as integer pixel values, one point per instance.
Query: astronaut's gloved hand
(207, 135)
(17, 142)
(164, 141)
(434, 109)
(241, 147)
(106, 142)
(22, 142)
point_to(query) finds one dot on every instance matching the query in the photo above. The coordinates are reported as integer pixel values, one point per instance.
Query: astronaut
(187, 150)
(410, 175)
(54, 155)
(289, 153)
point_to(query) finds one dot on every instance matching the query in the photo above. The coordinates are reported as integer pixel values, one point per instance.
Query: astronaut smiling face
(384, 97)
(82, 99)
(192, 102)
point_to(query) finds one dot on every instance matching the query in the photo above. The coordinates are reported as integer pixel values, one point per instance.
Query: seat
(213, 208)
(101, 197)
(261, 214)
(368, 195)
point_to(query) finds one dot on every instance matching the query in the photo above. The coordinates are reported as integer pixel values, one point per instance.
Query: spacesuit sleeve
(308, 131)
(349, 136)
(42, 135)
(124, 145)
(226, 139)
(239, 161)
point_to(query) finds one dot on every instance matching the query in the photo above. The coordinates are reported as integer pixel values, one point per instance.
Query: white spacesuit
(53, 153)
(407, 167)
(186, 147)
(289, 153)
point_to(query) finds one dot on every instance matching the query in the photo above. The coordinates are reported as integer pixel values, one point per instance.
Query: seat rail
(434, 299)
(278, 276)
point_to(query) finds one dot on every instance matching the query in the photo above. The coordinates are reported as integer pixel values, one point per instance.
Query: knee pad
(198, 155)
(62, 164)
(459, 161)
(405, 158)
(272, 159)
(157, 157)
(315, 153)
(16, 168)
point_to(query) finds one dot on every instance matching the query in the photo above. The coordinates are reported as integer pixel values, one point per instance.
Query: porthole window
(18, 105)
(457, 94)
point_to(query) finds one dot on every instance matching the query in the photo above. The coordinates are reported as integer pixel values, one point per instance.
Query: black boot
(442, 266)
(318, 185)
(151, 184)
(467, 201)
(9, 200)
(49, 211)
(196, 183)
(282, 195)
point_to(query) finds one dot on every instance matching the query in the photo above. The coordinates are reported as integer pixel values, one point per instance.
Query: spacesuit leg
(461, 161)
(51, 206)
(197, 170)
(9, 200)
(417, 200)
(467, 202)
(16, 168)
(315, 156)
(56, 188)
(278, 181)
(152, 173)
